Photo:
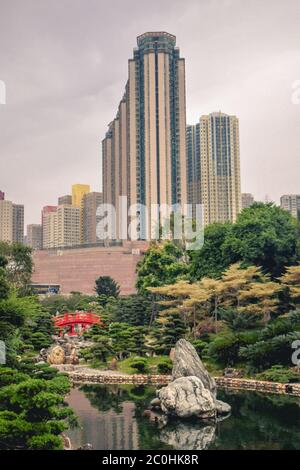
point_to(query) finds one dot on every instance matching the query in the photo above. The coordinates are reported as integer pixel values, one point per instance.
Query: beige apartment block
(35, 236)
(144, 150)
(6, 221)
(247, 200)
(213, 155)
(291, 203)
(90, 204)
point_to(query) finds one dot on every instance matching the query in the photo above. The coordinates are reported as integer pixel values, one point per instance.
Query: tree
(162, 264)
(19, 265)
(105, 288)
(135, 310)
(291, 280)
(264, 235)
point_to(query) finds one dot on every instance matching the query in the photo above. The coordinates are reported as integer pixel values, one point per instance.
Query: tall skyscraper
(90, 203)
(50, 229)
(18, 223)
(291, 203)
(213, 155)
(35, 236)
(45, 211)
(247, 200)
(62, 200)
(144, 150)
(6, 221)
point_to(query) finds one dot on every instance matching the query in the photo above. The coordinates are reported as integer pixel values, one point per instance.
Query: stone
(113, 365)
(155, 403)
(187, 397)
(187, 363)
(56, 355)
(222, 407)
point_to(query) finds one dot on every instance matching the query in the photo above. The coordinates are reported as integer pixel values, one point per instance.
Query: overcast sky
(64, 63)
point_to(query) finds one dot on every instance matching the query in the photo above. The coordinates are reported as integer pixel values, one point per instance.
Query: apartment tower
(291, 203)
(144, 150)
(213, 155)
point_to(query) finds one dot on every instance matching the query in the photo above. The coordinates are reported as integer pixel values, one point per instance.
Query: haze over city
(65, 73)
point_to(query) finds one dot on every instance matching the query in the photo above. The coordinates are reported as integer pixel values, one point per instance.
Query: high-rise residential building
(63, 200)
(247, 200)
(50, 230)
(291, 203)
(62, 227)
(213, 155)
(18, 223)
(78, 191)
(6, 221)
(45, 211)
(34, 237)
(11, 222)
(144, 150)
(2, 196)
(90, 203)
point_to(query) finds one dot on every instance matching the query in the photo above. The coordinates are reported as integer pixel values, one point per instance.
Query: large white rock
(186, 363)
(187, 397)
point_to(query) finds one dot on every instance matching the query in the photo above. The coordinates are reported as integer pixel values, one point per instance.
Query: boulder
(187, 397)
(222, 408)
(56, 355)
(186, 363)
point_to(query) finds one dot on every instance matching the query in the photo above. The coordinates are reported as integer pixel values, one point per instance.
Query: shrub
(140, 364)
(165, 367)
(280, 374)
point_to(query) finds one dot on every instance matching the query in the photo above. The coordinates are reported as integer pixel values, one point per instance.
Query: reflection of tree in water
(259, 421)
(111, 397)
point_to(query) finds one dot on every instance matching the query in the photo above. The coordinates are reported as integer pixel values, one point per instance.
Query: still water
(111, 417)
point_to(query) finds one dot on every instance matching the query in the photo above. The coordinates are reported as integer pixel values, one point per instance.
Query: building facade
(291, 203)
(62, 227)
(18, 223)
(213, 156)
(247, 200)
(62, 200)
(144, 150)
(2, 196)
(90, 203)
(78, 191)
(35, 236)
(11, 222)
(6, 221)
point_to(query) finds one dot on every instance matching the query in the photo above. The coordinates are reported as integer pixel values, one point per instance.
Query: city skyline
(58, 107)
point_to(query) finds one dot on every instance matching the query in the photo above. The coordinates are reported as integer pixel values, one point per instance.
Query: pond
(111, 417)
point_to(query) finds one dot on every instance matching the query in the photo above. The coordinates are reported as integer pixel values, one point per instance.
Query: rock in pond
(187, 397)
(187, 363)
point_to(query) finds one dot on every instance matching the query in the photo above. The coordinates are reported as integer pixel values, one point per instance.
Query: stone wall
(222, 382)
(77, 269)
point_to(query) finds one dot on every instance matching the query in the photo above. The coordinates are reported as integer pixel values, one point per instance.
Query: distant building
(2, 196)
(247, 200)
(62, 227)
(90, 203)
(6, 221)
(45, 230)
(18, 223)
(291, 203)
(213, 167)
(63, 200)
(34, 237)
(78, 191)
(11, 222)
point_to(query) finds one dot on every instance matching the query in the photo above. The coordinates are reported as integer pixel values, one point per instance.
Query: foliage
(105, 288)
(263, 235)
(19, 266)
(165, 366)
(280, 374)
(162, 264)
(140, 364)
(135, 310)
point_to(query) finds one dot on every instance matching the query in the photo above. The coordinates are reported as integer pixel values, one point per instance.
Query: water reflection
(112, 417)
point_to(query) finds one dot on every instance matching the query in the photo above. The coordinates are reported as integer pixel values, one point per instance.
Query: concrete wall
(77, 269)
